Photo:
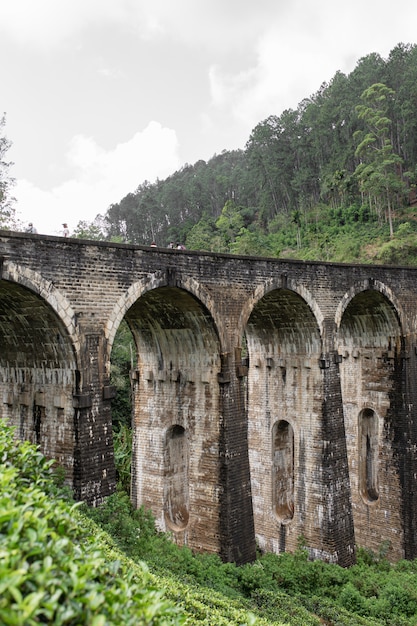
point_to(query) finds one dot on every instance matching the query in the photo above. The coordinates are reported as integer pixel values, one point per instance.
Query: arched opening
(38, 374)
(369, 321)
(176, 415)
(123, 361)
(284, 399)
(283, 471)
(176, 478)
(368, 455)
(370, 345)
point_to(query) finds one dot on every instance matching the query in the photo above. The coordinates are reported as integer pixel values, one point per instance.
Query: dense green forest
(334, 179)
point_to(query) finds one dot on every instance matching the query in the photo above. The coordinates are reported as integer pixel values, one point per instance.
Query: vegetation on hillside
(58, 567)
(333, 180)
(286, 588)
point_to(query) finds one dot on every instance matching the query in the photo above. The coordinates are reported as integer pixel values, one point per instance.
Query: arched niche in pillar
(176, 478)
(368, 445)
(283, 471)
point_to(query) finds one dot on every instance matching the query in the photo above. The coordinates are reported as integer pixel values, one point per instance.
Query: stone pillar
(94, 470)
(236, 518)
(337, 527)
(402, 417)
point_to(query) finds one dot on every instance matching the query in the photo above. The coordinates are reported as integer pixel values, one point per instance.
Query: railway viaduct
(272, 399)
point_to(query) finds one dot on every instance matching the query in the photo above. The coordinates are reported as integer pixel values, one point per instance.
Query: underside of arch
(37, 373)
(370, 342)
(284, 407)
(176, 415)
(370, 319)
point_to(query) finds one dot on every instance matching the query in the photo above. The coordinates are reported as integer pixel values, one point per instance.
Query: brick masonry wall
(313, 433)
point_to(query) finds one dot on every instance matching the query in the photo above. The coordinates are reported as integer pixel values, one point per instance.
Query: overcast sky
(101, 95)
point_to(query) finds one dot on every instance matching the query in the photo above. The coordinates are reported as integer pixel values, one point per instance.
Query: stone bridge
(272, 399)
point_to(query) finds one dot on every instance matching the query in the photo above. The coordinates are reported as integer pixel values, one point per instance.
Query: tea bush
(53, 570)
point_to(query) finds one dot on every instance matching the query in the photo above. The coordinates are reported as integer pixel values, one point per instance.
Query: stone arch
(370, 316)
(367, 285)
(370, 342)
(285, 383)
(176, 411)
(38, 363)
(139, 288)
(291, 316)
(48, 292)
(282, 282)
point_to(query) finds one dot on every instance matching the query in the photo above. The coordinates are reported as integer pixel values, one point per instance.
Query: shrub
(351, 599)
(122, 441)
(401, 597)
(275, 605)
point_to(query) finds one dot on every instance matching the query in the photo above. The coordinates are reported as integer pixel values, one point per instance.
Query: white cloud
(215, 25)
(49, 22)
(293, 57)
(101, 177)
(288, 65)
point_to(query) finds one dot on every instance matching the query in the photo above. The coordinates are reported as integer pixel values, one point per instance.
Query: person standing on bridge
(65, 232)
(31, 229)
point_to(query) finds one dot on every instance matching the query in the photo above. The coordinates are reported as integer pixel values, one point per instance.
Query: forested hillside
(330, 180)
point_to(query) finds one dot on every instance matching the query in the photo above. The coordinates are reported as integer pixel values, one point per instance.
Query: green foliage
(123, 359)
(7, 211)
(287, 588)
(402, 250)
(52, 568)
(122, 442)
(229, 224)
(57, 567)
(96, 229)
(251, 241)
(132, 530)
(276, 605)
(168, 210)
(201, 235)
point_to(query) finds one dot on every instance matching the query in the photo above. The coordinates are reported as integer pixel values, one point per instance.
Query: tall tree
(7, 211)
(402, 72)
(378, 171)
(229, 224)
(272, 154)
(97, 229)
